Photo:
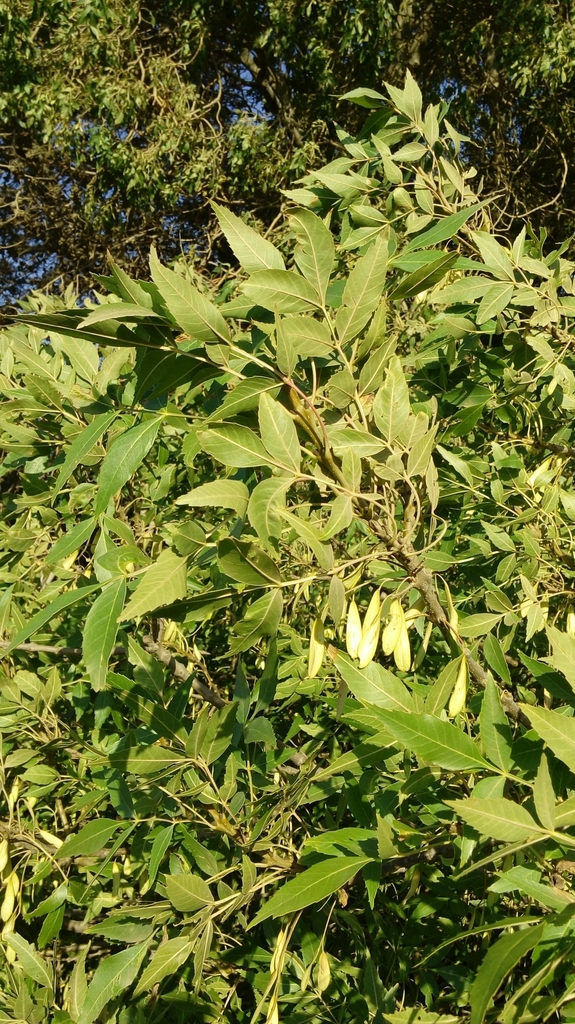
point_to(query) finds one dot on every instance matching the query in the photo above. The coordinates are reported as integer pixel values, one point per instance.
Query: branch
(262, 82)
(162, 654)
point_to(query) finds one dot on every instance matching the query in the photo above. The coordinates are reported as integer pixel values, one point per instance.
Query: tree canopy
(287, 617)
(120, 119)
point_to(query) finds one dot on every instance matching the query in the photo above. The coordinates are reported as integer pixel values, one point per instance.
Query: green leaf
(434, 741)
(113, 976)
(301, 337)
(245, 562)
(195, 314)
(234, 446)
(90, 839)
(498, 818)
(120, 311)
(563, 653)
(159, 848)
(360, 441)
(71, 540)
(478, 625)
(496, 299)
(374, 684)
(362, 292)
(311, 886)
(187, 892)
(495, 658)
(446, 228)
(144, 759)
(251, 250)
(499, 960)
(496, 735)
(33, 965)
(323, 552)
(100, 630)
(557, 730)
(279, 434)
(122, 460)
(162, 583)
(371, 751)
(262, 618)
(168, 957)
(81, 445)
(266, 501)
(56, 606)
(391, 404)
(243, 397)
(218, 734)
(78, 985)
(494, 255)
(315, 252)
(218, 494)
(420, 454)
(282, 291)
(544, 794)
(156, 717)
(424, 277)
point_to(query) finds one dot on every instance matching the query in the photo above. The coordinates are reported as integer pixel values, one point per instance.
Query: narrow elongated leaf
(159, 848)
(323, 552)
(494, 255)
(279, 434)
(162, 583)
(391, 404)
(90, 839)
(195, 314)
(563, 653)
(251, 250)
(362, 291)
(446, 228)
(434, 741)
(114, 975)
(119, 311)
(166, 960)
(262, 618)
(144, 760)
(371, 751)
(218, 494)
(100, 631)
(495, 300)
(244, 397)
(56, 606)
(498, 818)
(123, 459)
(557, 731)
(495, 732)
(245, 562)
(281, 290)
(420, 454)
(499, 960)
(266, 501)
(218, 734)
(187, 892)
(71, 540)
(315, 251)
(33, 964)
(424, 277)
(373, 684)
(234, 446)
(313, 885)
(80, 447)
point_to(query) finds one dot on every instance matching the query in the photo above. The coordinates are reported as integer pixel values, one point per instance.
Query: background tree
(118, 118)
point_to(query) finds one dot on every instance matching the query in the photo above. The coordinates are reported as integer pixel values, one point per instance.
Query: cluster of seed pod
(11, 882)
(362, 638)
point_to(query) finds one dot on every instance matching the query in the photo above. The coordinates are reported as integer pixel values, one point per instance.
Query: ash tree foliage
(287, 616)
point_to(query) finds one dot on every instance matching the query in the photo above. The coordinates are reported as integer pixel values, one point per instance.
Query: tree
(288, 620)
(119, 120)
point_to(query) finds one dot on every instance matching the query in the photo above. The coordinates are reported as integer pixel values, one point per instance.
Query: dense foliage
(120, 119)
(287, 616)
